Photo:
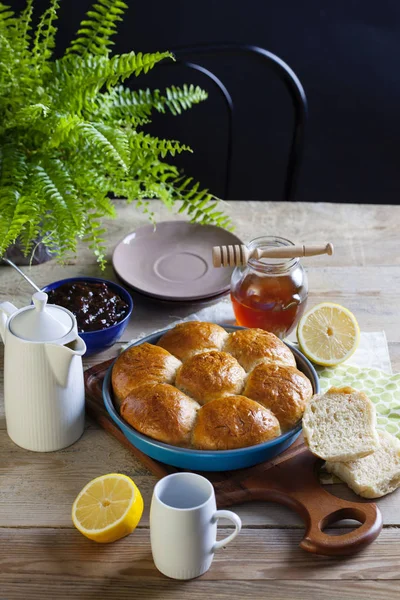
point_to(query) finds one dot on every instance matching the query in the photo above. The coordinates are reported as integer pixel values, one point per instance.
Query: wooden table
(43, 557)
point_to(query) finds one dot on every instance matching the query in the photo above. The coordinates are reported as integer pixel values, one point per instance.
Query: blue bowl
(97, 341)
(207, 460)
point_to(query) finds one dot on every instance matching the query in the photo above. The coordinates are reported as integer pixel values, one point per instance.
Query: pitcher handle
(6, 310)
(231, 516)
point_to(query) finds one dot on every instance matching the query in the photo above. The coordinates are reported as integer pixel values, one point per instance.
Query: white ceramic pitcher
(44, 390)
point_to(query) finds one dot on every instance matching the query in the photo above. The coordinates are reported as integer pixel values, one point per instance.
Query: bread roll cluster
(201, 387)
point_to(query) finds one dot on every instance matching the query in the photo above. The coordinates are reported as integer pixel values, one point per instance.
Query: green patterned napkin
(381, 388)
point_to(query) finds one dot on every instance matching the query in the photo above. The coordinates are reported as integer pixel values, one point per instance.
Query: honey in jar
(269, 293)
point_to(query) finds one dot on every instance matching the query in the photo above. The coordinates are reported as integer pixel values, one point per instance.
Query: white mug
(183, 525)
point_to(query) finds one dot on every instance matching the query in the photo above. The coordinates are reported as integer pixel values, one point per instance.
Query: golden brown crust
(233, 422)
(140, 365)
(251, 347)
(282, 389)
(273, 397)
(210, 375)
(162, 412)
(187, 339)
(342, 390)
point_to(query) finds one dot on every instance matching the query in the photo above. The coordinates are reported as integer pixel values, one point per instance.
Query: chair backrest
(185, 55)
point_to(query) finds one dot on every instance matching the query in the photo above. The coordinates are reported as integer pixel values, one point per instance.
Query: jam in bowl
(94, 304)
(102, 308)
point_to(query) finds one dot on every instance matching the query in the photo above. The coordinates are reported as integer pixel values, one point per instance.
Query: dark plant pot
(38, 254)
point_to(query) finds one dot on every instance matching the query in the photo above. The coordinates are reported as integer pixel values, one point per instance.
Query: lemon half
(108, 508)
(328, 334)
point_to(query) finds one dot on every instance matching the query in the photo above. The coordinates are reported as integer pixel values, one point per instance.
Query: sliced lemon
(108, 508)
(328, 334)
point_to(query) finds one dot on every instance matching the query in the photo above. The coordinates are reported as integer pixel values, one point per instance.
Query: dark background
(346, 54)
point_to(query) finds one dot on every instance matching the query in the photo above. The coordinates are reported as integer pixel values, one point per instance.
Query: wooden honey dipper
(237, 256)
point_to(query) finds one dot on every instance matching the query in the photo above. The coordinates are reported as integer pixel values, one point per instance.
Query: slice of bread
(375, 475)
(340, 425)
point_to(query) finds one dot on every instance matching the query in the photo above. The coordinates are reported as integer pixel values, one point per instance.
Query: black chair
(284, 73)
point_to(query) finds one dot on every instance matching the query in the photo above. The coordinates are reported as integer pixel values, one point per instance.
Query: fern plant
(71, 134)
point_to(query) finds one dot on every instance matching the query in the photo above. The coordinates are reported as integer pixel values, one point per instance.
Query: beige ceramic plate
(174, 261)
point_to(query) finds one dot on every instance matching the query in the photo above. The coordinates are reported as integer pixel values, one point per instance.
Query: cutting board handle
(319, 542)
(292, 479)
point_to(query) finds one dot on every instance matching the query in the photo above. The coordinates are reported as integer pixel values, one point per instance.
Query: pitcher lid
(42, 322)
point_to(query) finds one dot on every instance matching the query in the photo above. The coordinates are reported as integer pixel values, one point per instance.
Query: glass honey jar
(269, 293)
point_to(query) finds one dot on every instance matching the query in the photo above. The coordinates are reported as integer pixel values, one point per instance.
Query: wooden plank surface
(259, 554)
(92, 588)
(254, 567)
(39, 488)
(44, 557)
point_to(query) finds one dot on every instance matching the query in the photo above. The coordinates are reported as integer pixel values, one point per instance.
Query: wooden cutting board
(290, 479)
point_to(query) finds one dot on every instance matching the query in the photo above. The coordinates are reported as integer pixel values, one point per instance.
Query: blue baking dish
(207, 460)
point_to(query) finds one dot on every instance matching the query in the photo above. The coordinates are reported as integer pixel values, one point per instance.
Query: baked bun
(140, 365)
(210, 375)
(187, 339)
(251, 347)
(162, 412)
(233, 422)
(282, 389)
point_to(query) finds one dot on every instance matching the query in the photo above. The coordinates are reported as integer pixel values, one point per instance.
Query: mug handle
(231, 516)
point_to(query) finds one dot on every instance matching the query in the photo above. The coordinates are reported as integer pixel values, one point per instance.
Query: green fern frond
(137, 106)
(30, 235)
(63, 128)
(94, 236)
(55, 191)
(69, 138)
(200, 205)
(24, 27)
(82, 78)
(59, 174)
(7, 75)
(123, 66)
(15, 57)
(104, 207)
(23, 214)
(123, 104)
(7, 16)
(95, 32)
(58, 217)
(179, 99)
(44, 38)
(118, 139)
(27, 115)
(145, 142)
(9, 40)
(13, 169)
(97, 139)
(93, 183)
(13, 174)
